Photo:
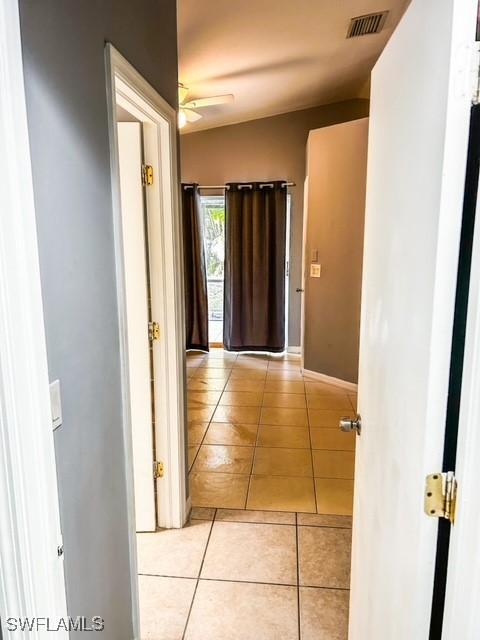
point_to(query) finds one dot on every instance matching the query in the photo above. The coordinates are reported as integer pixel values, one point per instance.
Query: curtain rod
(241, 185)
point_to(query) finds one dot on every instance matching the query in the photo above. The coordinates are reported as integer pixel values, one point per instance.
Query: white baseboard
(294, 349)
(322, 377)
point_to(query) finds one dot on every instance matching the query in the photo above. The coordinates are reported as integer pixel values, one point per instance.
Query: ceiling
(275, 56)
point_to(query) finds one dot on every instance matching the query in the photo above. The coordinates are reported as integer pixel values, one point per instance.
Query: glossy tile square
(241, 415)
(224, 459)
(331, 402)
(285, 386)
(249, 552)
(226, 490)
(231, 434)
(290, 437)
(173, 552)
(324, 557)
(202, 513)
(164, 606)
(334, 496)
(285, 400)
(242, 398)
(277, 493)
(244, 384)
(282, 462)
(333, 464)
(243, 611)
(324, 614)
(327, 418)
(332, 439)
(287, 417)
(248, 374)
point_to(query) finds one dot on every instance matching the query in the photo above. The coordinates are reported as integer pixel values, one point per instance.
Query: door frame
(127, 87)
(32, 581)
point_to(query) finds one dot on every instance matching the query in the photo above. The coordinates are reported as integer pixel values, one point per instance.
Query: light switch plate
(315, 270)
(56, 404)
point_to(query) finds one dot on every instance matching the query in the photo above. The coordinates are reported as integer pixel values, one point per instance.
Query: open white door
(419, 120)
(137, 296)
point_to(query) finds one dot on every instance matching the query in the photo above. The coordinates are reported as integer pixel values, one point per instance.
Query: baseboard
(294, 349)
(322, 377)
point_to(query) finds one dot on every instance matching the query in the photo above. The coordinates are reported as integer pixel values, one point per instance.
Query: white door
(418, 135)
(137, 303)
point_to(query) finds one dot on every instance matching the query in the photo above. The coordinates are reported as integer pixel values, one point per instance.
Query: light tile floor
(246, 575)
(263, 436)
(266, 554)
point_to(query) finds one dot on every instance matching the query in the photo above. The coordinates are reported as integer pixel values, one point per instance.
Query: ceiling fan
(187, 108)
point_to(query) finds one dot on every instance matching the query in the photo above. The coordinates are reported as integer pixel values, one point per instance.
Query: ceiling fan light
(182, 119)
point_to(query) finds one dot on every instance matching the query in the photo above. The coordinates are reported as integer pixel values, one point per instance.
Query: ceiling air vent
(365, 25)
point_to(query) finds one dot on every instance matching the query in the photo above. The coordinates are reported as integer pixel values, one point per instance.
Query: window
(213, 208)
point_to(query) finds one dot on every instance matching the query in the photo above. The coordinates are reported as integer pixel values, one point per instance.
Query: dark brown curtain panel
(254, 314)
(195, 275)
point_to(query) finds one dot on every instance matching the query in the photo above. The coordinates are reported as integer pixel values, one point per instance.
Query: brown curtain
(195, 275)
(254, 299)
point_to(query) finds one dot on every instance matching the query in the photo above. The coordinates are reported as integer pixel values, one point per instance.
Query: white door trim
(32, 578)
(127, 87)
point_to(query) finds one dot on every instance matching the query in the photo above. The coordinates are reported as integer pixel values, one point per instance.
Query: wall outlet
(56, 404)
(315, 270)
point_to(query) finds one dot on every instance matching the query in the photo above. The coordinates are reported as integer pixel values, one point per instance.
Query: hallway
(263, 436)
(266, 553)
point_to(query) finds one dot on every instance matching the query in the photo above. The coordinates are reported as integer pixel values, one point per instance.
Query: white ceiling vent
(365, 25)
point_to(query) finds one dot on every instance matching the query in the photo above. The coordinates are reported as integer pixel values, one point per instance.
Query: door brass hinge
(441, 495)
(153, 331)
(147, 175)
(158, 469)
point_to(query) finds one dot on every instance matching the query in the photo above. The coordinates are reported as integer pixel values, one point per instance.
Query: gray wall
(337, 174)
(63, 44)
(266, 149)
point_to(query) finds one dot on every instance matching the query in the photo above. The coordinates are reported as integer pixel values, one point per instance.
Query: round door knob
(351, 424)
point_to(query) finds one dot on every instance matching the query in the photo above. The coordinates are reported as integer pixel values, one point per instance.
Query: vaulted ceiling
(276, 56)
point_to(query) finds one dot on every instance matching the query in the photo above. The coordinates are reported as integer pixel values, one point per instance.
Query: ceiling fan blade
(192, 116)
(209, 102)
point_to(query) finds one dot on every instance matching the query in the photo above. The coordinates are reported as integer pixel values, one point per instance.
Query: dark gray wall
(63, 44)
(266, 149)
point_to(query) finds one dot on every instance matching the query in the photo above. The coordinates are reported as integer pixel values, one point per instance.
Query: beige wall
(336, 168)
(266, 149)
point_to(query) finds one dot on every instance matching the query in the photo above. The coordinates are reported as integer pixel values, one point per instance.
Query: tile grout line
(256, 437)
(299, 626)
(272, 584)
(198, 578)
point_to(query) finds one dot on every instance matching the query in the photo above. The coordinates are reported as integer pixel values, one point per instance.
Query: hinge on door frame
(158, 469)
(147, 175)
(153, 331)
(441, 495)
(476, 74)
